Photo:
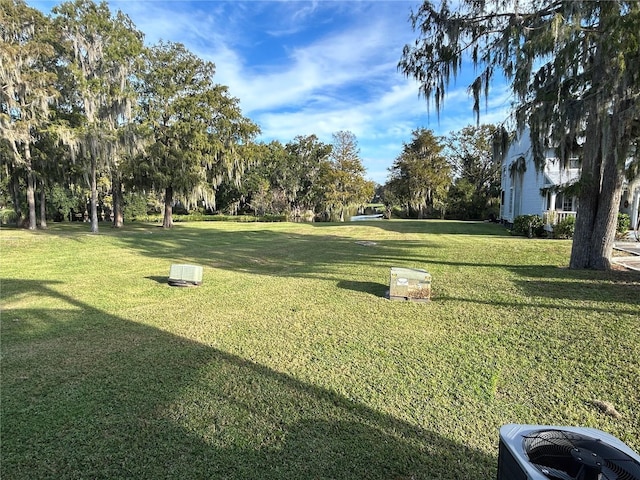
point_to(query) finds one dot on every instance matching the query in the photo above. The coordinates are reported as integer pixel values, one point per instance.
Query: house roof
(560, 177)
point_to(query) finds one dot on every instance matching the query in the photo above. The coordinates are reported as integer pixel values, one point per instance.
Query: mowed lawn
(289, 362)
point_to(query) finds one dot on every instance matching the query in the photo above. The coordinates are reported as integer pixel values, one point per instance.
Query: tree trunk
(605, 226)
(606, 220)
(31, 187)
(31, 200)
(43, 206)
(589, 193)
(601, 190)
(606, 149)
(116, 190)
(388, 212)
(167, 222)
(94, 197)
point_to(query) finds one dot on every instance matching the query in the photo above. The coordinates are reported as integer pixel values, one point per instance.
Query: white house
(527, 190)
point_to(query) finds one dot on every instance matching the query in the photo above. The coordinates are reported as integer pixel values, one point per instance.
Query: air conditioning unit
(409, 284)
(185, 275)
(537, 452)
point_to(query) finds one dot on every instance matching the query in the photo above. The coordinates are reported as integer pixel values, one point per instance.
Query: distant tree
(99, 51)
(378, 193)
(574, 68)
(463, 200)
(27, 93)
(299, 175)
(197, 133)
(253, 190)
(421, 175)
(390, 198)
(285, 179)
(343, 178)
(476, 170)
(267, 181)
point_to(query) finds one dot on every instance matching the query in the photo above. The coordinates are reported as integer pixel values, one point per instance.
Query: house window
(567, 203)
(574, 162)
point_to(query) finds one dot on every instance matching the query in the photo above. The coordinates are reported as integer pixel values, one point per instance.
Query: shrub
(61, 202)
(8, 217)
(564, 229)
(528, 225)
(135, 206)
(624, 224)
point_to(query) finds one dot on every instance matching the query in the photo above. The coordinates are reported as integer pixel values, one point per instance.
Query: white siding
(522, 191)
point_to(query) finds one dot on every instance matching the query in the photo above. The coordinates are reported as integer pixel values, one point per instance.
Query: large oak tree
(574, 68)
(198, 136)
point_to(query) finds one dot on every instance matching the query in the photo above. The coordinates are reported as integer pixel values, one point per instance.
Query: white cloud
(316, 72)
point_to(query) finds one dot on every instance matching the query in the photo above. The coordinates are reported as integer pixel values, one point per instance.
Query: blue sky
(313, 67)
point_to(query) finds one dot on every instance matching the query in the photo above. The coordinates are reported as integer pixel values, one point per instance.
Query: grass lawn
(289, 363)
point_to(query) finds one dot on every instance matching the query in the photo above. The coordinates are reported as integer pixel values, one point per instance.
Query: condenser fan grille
(564, 455)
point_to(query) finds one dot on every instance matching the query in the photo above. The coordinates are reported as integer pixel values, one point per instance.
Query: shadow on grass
(89, 395)
(548, 286)
(287, 253)
(554, 283)
(269, 252)
(377, 289)
(159, 279)
(515, 306)
(613, 286)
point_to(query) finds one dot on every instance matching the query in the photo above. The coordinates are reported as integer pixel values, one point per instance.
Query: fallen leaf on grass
(606, 408)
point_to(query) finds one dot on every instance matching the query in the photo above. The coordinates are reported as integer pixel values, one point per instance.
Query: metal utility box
(185, 275)
(409, 284)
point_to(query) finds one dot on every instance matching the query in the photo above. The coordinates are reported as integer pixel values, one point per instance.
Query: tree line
(95, 124)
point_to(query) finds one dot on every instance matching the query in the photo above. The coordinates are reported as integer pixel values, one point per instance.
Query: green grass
(288, 362)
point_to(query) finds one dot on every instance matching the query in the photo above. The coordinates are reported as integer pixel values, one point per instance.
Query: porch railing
(552, 217)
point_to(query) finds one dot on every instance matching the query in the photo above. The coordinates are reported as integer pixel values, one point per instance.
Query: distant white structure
(527, 190)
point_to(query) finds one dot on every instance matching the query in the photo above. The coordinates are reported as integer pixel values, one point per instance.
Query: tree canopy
(343, 180)
(102, 123)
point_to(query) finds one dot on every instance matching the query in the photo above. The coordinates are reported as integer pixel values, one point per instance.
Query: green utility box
(410, 284)
(185, 275)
